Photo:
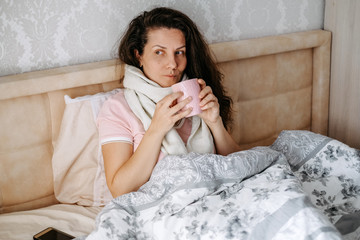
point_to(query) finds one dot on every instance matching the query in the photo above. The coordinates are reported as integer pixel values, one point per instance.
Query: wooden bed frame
(276, 83)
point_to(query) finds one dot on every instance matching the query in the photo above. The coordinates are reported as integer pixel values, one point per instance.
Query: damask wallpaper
(41, 34)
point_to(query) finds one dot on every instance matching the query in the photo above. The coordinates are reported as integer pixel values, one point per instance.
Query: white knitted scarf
(142, 94)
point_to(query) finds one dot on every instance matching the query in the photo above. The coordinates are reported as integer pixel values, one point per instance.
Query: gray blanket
(252, 194)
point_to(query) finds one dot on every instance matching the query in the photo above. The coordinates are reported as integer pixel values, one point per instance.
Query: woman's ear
(138, 57)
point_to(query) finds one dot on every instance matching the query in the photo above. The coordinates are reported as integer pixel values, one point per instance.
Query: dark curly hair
(200, 63)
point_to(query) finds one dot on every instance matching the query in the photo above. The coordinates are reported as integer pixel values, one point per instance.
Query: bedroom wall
(36, 35)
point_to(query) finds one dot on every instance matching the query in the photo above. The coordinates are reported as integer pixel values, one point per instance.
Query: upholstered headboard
(276, 83)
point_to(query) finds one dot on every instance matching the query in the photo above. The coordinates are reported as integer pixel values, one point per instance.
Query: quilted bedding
(253, 194)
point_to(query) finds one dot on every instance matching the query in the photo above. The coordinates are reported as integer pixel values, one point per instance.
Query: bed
(290, 181)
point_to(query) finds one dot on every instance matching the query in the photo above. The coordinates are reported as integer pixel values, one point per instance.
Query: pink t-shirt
(117, 123)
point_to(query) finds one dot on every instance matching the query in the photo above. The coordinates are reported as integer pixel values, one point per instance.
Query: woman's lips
(171, 76)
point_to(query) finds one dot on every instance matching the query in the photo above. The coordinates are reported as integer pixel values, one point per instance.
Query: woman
(141, 124)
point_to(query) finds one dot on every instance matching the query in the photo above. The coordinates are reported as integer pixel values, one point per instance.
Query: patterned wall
(41, 34)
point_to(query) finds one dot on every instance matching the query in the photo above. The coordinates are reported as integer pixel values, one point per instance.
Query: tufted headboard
(276, 83)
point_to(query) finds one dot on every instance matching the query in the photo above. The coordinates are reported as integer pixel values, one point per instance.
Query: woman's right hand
(167, 113)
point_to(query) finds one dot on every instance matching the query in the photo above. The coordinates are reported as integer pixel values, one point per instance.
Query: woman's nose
(172, 64)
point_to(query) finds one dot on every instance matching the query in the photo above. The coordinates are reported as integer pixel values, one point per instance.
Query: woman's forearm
(138, 168)
(224, 142)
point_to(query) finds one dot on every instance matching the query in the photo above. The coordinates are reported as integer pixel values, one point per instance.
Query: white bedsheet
(73, 219)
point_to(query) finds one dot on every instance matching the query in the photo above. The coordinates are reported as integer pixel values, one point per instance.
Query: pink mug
(190, 88)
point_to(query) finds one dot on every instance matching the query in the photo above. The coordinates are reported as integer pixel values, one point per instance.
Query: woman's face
(164, 56)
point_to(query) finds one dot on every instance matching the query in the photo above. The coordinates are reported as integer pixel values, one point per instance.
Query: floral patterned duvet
(329, 172)
(253, 194)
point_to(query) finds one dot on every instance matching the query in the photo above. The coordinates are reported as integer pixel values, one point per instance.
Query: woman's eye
(159, 52)
(180, 52)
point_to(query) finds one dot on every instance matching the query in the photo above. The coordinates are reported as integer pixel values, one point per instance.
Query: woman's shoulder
(116, 101)
(116, 107)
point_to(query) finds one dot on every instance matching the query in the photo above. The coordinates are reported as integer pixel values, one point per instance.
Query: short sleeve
(116, 122)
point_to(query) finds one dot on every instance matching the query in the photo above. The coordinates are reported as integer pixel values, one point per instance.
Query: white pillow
(77, 162)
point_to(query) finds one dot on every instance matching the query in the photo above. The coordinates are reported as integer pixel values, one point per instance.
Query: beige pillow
(77, 160)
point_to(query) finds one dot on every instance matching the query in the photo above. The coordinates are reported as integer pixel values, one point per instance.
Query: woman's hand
(224, 142)
(209, 104)
(167, 112)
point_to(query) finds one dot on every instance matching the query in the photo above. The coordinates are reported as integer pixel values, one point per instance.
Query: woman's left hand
(209, 104)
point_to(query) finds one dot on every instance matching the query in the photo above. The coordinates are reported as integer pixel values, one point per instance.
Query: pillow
(77, 160)
(330, 174)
